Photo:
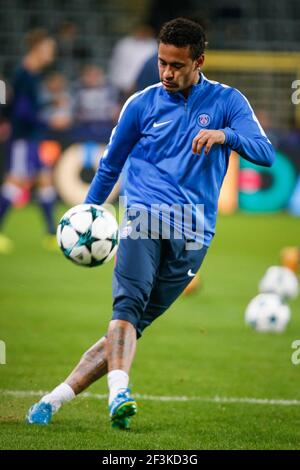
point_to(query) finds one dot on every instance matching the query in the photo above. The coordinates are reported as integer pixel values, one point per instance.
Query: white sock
(61, 394)
(117, 380)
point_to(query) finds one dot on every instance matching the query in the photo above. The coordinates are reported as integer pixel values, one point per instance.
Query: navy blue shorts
(149, 275)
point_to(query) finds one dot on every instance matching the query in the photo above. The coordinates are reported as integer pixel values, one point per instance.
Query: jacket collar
(178, 96)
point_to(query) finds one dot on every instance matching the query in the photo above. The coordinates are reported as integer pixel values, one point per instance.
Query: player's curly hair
(182, 32)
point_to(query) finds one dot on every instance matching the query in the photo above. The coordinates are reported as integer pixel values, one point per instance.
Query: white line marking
(216, 399)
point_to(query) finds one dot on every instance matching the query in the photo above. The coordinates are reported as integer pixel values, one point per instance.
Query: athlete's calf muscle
(121, 345)
(91, 367)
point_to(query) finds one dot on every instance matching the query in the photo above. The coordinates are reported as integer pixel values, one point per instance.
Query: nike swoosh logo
(158, 124)
(190, 273)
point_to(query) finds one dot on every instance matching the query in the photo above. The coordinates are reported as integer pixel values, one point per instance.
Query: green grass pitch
(51, 311)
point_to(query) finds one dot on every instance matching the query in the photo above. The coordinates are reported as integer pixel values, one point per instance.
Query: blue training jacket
(154, 135)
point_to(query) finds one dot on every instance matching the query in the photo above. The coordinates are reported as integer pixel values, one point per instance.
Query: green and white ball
(88, 235)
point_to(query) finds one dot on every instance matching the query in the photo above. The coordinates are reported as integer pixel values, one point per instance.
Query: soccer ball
(267, 312)
(88, 235)
(281, 281)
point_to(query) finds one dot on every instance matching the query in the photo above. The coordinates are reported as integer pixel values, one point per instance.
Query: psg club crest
(203, 120)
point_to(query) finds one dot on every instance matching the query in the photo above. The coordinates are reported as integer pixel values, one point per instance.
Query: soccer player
(24, 167)
(176, 137)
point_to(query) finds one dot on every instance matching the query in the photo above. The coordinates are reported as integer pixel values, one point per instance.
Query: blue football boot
(122, 408)
(40, 413)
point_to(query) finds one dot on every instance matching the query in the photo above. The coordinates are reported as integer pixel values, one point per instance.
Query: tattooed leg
(117, 350)
(91, 367)
(111, 353)
(121, 345)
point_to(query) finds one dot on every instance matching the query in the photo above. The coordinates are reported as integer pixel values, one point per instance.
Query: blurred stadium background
(48, 318)
(253, 46)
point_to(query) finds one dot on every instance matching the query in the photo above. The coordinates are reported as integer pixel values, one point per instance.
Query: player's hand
(206, 139)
